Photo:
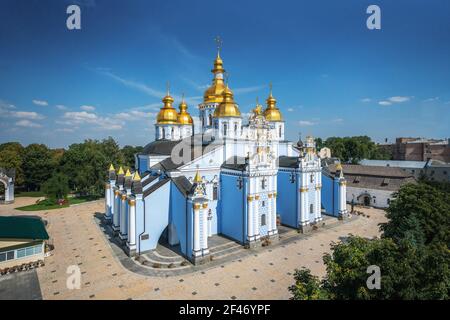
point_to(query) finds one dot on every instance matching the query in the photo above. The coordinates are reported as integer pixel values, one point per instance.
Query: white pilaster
(250, 213)
(123, 216)
(205, 228)
(132, 224)
(196, 230)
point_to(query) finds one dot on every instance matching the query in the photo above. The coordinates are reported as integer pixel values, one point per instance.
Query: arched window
(210, 119)
(235, 127)
(311, 208)
(215, 191)
(263, 219)
(311, 178)
(279, 131)
(225, 129)
(163, 133)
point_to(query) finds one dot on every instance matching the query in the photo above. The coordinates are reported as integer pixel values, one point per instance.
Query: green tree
(307, 286)
(413, 254)
(11, 157)
(420, 214)
(86, 164)
(57, 187)
(38, 165)
(354, 149)
(128, 153)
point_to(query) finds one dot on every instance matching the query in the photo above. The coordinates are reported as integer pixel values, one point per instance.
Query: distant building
(7, 178)
(415, 168)
(373, 185)
(419, 149)
(433, 170)
(22, 241)
(437, 171)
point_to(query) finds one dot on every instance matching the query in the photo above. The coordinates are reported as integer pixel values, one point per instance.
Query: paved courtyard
(265, 274)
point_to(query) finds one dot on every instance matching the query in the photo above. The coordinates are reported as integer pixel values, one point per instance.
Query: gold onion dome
(183, 116)
(214, 93)
(272, 113)
(168, 114)
(227, 108)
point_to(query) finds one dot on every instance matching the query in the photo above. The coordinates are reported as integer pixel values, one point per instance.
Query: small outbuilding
(22, 240)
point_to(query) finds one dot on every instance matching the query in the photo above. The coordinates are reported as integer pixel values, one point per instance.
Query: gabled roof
(288, 162)
(22, 228)
(235, 163)
(373, 177)
(156, 186)
(183, 185)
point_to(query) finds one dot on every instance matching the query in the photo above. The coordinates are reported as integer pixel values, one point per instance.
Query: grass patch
(29, 194)
(50, 205)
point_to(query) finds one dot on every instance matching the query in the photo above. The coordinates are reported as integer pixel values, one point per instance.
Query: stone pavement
(265, 274)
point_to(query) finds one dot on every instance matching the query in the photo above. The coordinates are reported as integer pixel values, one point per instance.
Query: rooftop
(22, 228)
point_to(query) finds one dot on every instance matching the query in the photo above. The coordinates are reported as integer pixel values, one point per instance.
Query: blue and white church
(234, 177)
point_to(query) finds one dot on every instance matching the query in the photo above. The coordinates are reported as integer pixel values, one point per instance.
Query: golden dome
(227, 108)
(272, 113)
(214, 93)
(168, 114)
(183, 116)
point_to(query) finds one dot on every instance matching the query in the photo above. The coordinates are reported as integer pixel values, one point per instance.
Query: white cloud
(305, 123)
(66, 130)
(28, 124)
(61, 107)
(431, 99)
(384, 103)
(42, 103)
(134, 115)
(337, 120)
(399, 99)
(290, 109)
(248, 89)
(366, 100)
(87, 108)
(27, 115)
(98, 123)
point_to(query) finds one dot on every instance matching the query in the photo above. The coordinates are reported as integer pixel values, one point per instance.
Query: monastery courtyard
(263, 274)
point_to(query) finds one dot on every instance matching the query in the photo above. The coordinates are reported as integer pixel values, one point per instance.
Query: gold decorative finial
(197, 178)
(120, 170)
(339, 167)
(111, 167)
(136, 176)
(128, 174)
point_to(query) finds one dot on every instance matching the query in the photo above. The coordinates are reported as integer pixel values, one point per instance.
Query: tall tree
(38, 165)
(11, 157)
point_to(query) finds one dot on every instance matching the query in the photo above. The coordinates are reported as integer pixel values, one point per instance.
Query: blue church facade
(229, 178)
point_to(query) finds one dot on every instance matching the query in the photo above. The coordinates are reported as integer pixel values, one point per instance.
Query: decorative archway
(7, 185)
(365, 199)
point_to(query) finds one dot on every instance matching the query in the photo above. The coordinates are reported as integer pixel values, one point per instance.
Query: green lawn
(47, 205)
(29, 194)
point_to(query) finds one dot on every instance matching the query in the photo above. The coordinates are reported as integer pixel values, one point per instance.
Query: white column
(274, 213)
(205, 227)
(132, 224)
(269, 215)
(116, 208)
(250, 223)
(256, 217)
(123, 215)
(196, 228)
(107, 201)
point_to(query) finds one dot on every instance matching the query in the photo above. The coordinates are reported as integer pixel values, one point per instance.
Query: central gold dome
(227, 108)
(214, 93)
(168, 114)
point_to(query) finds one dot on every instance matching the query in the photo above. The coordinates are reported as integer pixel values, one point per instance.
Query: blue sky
(331, 75)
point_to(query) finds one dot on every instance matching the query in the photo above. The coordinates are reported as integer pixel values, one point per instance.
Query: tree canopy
(353, 149)
(413, 254)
